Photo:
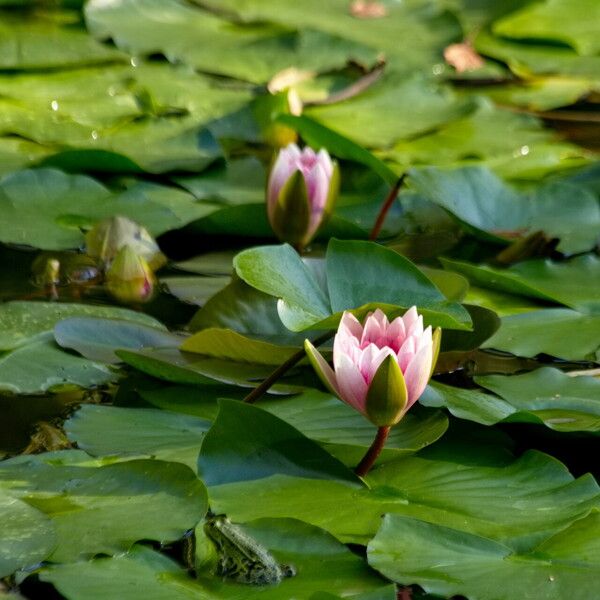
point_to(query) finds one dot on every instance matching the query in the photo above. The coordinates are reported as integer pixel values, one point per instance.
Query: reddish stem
(385, 207)
(373, 452)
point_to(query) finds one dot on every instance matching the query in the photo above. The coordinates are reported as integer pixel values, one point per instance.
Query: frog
(240, 557)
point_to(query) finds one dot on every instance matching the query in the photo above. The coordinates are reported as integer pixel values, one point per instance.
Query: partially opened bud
(380, 369)
(108, 237)
(129, 278)
(301, 192)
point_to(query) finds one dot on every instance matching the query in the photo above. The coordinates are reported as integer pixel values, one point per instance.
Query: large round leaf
(451, 562)
(106, 509)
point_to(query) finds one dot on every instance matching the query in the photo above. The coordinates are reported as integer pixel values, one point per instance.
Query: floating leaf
(106, 509)
(451, 562)
(97, 338)
(27, 535)
(489, 207)
(574, 283)
(111, 430)
(558, 332)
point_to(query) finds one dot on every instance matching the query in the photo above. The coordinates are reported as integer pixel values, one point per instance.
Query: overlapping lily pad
(546, 396)
(451, 562)
(105, 509)
(470, 497)
(488, 206)
(304, 301)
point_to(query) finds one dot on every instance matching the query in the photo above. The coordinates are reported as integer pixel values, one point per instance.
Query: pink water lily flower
(301, 191)
(382, 368)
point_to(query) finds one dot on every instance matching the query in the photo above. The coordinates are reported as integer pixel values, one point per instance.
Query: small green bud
(130, 279)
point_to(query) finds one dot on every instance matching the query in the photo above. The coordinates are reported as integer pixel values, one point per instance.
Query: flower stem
(385, 207)
(282, 369)
(373, 452)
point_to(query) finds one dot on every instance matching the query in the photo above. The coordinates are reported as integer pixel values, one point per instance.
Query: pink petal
(410, 316)
(406, 353)
(417, 374)
(425, 339)
(351, 384)
(351, 325)
(325, 161)
(317, 184)
(374, 331)
(282, 170)
(396, 334)
(345, 344)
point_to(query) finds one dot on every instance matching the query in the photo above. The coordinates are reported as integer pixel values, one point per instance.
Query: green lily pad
(185, 33)
(23, 322)
(448, 491)
(194, 290)
(230, 345)
(106, 509)
(543, 59)
(116, 431)
(272, 446)
(410, 37)
(566, 21)
(171, 364)
(563, 403)
(574, 283)
(347, 434)
(388, 279)
(546, 396)
(98, 338)
(27, 535)
(321, 562)
(529, 152)
(487, 206)
(42, 366)
(559, 332)
(46, 208)
(451, 562)
(393, 109)
(49, 40)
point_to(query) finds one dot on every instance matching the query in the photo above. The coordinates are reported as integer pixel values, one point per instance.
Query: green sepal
(332, 194)
(436, 340)
(291, 216)
(387, 395)
(325, 373)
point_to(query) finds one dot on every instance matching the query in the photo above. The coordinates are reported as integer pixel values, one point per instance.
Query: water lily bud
(301, 192)
(108, 237)
(382, 368)
(129, 278)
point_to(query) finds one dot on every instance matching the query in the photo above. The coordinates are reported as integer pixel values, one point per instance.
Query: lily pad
(230, 345)
(451, 562)
(27, 535)
(389, 279)
(574, 283)
(566, 21)
(546, 396)
(559, 332)
(111, 430)
(106, 509)
(487, 206)
(451, 492)
(273, 446)
(46, 208)
(321, 562)
(24, 322)
(98, 338)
